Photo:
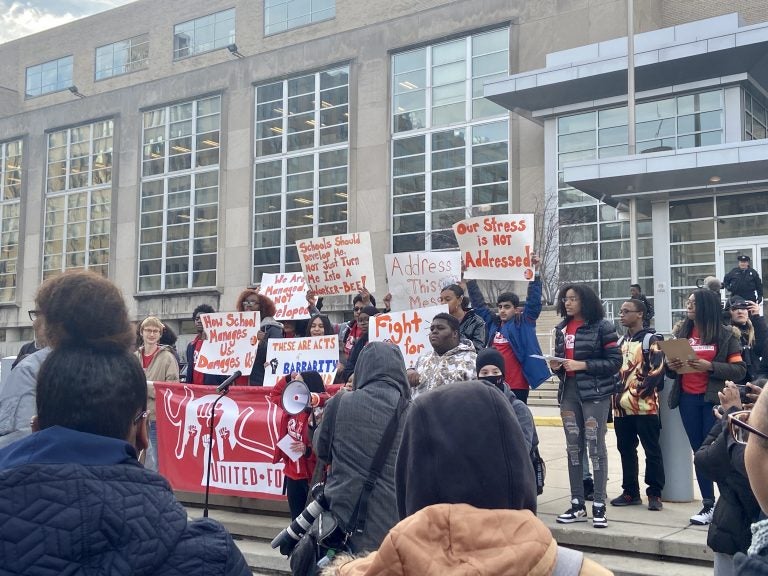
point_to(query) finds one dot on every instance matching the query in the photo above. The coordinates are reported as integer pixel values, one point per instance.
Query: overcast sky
(21, 18)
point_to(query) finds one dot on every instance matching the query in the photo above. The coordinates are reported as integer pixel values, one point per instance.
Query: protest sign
(243, 447)
(335, 265)
(230, 342)
(408, 330)
(286, 355)
(415, 279)
(496, 247)
(288, 292)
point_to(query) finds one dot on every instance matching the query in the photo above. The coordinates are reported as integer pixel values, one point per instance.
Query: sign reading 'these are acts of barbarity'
(336, 265)
(497, 247)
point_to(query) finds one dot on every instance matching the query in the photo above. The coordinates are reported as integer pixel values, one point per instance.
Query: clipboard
(679, 348)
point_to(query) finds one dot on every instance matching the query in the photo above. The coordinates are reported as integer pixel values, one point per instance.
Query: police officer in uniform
(744, 281)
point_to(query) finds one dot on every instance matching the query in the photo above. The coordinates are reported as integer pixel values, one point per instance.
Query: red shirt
(570, 339)
(352, 336)
(696, 382)
(513, 372)
(147, 360)
(197, 377)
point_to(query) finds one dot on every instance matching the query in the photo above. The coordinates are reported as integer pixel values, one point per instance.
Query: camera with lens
(290, 536)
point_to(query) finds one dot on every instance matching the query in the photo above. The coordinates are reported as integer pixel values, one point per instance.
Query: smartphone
(743, 393)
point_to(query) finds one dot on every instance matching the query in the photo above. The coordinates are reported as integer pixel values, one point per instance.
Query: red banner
(244, 443)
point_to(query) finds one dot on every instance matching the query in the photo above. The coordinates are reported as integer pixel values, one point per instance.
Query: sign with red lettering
(230, 342)
(415, 279)
(286, 355)
(243, 444)
(408, 330)
(336, 265)
(288, 292)
(497, 247)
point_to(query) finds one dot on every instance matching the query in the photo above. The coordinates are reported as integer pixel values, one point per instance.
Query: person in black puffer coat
(722, 458)
(591, 360)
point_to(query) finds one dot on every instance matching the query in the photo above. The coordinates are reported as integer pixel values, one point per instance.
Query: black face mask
(497, 381)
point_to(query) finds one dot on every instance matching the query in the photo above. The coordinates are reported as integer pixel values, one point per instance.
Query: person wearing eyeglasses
(721, 456)
(750, 428)
(75, 497)
(636, 407)
(698, 380)
(251, 301)
(587, 343)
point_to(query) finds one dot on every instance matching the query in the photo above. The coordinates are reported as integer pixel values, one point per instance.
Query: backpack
(539, 469)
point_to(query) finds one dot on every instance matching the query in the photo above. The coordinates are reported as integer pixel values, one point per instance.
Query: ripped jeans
(585, 424)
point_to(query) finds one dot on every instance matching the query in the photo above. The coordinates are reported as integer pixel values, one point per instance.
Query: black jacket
(596, 345)
(755, 356)
(722, 458)
(745, 283)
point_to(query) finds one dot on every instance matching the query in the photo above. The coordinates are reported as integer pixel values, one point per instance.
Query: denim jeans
(698, 419)
(585, 424)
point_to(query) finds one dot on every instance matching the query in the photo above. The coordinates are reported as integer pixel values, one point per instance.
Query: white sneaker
(576, 513)
(704, 516)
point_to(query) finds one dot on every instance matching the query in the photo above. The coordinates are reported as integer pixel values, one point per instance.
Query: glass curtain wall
(450, 146)
(78, 199)
(301, 165)
(10, 186)
(179, 211)
(594, 237)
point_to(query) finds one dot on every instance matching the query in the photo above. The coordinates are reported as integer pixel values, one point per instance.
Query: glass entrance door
(727, 255)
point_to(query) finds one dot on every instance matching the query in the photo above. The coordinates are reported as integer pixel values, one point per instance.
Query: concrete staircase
(620, 548)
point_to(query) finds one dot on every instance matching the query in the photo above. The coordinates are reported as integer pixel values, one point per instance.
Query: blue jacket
(520, 331)
(81, 504)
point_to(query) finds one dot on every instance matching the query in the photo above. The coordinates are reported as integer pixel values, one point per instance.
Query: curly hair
(266, 305)
(591, 307)
(84, 309)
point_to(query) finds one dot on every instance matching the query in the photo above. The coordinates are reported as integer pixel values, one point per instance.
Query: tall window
(48, 77)
(77, 201)
(281, 15)
(180, 196)
(122, 57)
(755, 118)
(301, 165)
(450, 152)
(10, 186)
(204, 34)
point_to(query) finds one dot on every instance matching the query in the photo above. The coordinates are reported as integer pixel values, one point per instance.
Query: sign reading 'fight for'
(408, 330)
(336, 265)
(497, 247)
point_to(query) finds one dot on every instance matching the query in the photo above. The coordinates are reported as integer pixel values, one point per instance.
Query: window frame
(58, 87)
(7, 226)
(129, 66)
(277, 4)
(193, 49)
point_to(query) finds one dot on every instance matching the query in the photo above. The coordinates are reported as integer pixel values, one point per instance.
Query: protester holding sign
(513, 333)
(471, 325)
(251, 301)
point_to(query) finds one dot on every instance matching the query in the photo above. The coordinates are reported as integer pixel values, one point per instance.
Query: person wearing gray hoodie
(350, 443)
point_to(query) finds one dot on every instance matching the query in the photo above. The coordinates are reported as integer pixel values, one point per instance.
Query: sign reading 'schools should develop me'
(497, 247)
(336, 265)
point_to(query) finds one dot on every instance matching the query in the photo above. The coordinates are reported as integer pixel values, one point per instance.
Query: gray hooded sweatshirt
(361, 419)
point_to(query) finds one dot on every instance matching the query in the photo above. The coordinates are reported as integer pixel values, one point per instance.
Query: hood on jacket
(269, 321)
(464, 346)
(461, 539)
(446, 458)
(381, 362)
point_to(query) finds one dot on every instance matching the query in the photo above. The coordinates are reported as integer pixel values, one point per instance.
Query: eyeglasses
(356, 309)
(250, 303)
(33, 314)
(622, 312)
(151, 331)
(141, 416)
(569, 299)
(740, 430)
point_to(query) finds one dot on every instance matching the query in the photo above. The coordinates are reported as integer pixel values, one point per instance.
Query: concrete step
(622, 564)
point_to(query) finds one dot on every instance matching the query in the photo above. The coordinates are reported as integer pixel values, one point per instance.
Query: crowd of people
(410, 458)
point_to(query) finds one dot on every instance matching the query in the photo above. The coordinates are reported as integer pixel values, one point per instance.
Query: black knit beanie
(489, 357)
(314, 381)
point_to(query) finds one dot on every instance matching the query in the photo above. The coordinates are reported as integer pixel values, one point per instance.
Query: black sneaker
(704, 516)
(576, 513)
(599, 519)
(589, 489)
(626, 500)
(654, 503)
